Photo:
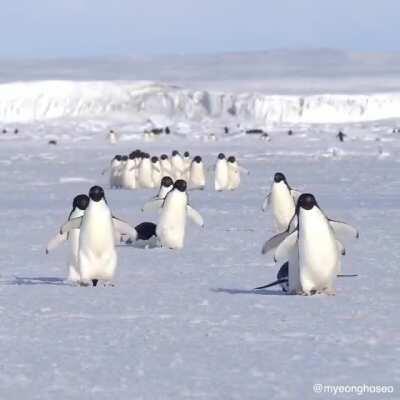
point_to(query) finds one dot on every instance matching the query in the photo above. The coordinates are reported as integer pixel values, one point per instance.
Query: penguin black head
(167, 181)
(145, 155)
(180, 185)
(175, 153)
(231, 159)
(124, 158)
(81, 201)
(96, 193)
(306, 201)
(118, 157)
(197, 159)
(279, 177)
(186, 154)
(132, 156)
(164, 157)
(221, 156)
(154, 159)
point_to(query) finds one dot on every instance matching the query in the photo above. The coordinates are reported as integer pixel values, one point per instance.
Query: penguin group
(140, 170)
(308, 246)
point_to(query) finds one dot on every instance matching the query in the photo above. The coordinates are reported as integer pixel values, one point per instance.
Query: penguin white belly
(172, 225)
(197, 177)
(177, 167)
(234, 177)
(283, 207)
(145, 175)
(156, 174)
(221, 176)
(318, 253)
(166, 168)
(129, 175)
(73, 264)
(97, 255)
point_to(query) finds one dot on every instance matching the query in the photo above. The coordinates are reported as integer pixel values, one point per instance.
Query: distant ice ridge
(136, 101)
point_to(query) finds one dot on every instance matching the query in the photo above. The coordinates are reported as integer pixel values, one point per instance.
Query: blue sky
(76, 28)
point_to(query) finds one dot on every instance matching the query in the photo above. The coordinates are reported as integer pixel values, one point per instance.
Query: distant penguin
(197, 177)
(341, 136)
(156, 171)
(234, 170)
(97, 255)
(221, 178)
(129, 173)
(178, 165)
(156, 202)
(166, 167)
(112, 137)
(290, 132)
(121, 179)
(115, 172)
(79, 206)
(145, 175)
(187, 161)
(282, 200)
(313, 249)
(175, 210)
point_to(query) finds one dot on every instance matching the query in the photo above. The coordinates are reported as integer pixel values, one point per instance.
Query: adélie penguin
(282, 200)
(156, 202)
(97, 255)
(145, 175)
(312, 250)
(197, 177)
(221, 176)
(178, 165)
(234, 170)
(79, 206)
(156, 171)
(175, 210)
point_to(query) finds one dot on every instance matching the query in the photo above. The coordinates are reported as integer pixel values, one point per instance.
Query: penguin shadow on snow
(264, 292)
(40, 280)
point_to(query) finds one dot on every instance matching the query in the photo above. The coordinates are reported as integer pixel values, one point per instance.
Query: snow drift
(45, 100)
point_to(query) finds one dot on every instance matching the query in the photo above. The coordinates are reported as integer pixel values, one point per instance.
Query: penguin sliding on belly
(312, 251)
(282, 200)
(175, 210)
(97, 256)
(79, 206)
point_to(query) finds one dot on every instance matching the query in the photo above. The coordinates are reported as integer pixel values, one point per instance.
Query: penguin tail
(277, 282)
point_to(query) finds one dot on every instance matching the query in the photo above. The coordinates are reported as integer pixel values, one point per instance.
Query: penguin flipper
(283, 251)
(343, 231)
(56, 241)
(153, 204)
(274, 242)
(74, 223)
(123, 228)
(195, 216)
(267, 202)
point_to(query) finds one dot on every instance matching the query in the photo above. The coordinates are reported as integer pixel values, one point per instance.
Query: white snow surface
(23, 102)
(187, 324)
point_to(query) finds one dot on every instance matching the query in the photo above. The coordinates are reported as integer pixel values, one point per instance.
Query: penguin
(221, 179)
(282, 200)
(312, 250)
(97, 256)
(114, 169)
(128, 173)
(156, 171)
(341, 136)
(166, 167)
(145, 172)
(156, 202)
(175, 210)
(178, 165)
(121, 178)
(79, 205)
(234, 170)
(146, 236)
(197, 177)
(187, 161)
(113, 137)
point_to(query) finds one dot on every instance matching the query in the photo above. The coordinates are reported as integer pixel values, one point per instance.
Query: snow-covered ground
(187, 324)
